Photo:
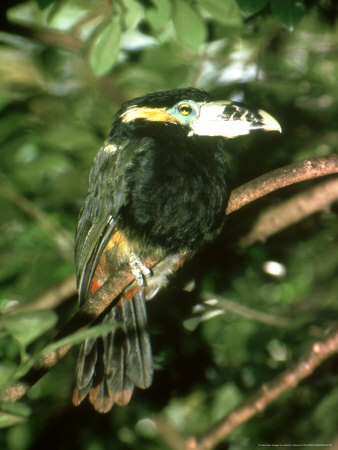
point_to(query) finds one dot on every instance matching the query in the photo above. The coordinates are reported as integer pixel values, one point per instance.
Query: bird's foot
(140, 271)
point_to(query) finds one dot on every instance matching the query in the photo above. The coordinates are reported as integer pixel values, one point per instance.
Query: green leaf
(105, 50)
(225, 12)
(55, 9)
(249, 7)
(158, 14)
(288, 12)
(132, 14)
(190, 28)
(28, 326)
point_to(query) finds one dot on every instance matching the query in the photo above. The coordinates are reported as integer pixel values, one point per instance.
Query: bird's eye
(185, 109)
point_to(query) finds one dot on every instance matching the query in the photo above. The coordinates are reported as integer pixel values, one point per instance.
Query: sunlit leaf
(105, 50)
(56, 7)
(288, 12)
(190, 28)
(65, 14)
(28, 326)
(132, 14)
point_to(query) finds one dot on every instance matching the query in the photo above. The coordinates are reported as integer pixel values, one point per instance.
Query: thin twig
(259, 401)
(245, 311)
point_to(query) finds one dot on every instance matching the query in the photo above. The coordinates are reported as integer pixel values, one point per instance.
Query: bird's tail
(109, 367)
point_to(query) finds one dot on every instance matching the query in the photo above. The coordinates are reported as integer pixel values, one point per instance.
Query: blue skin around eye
(185, 119)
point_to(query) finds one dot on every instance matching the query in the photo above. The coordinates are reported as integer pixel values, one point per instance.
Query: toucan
(158, 190)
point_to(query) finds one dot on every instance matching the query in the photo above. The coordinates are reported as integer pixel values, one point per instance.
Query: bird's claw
(140, 271)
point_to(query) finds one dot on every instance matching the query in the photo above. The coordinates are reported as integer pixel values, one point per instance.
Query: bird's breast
(176, 199)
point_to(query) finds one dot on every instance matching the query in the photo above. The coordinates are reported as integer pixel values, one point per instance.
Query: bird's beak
(230, 119)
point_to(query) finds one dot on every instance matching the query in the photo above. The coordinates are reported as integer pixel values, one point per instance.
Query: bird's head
(191, 112)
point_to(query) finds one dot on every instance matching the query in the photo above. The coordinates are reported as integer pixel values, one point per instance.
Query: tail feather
(110, 367)
(139, 352)
(115, 359)
(101, 398)
(85, 370)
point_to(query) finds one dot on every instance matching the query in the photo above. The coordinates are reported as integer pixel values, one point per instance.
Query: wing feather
(97, 221)
(109, 367)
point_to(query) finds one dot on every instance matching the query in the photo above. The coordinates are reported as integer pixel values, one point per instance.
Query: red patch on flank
(131, 293)
(95, 286)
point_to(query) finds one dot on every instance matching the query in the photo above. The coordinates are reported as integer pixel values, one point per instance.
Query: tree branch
(259, 401)
(120, 280)
(281, 216)
(285, 176)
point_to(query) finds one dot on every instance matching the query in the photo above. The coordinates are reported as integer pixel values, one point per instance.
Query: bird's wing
(97, 222)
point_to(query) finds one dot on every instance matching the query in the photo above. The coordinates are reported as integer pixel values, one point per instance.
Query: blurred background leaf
(189, 25)
(28, 326)
(106, 48)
